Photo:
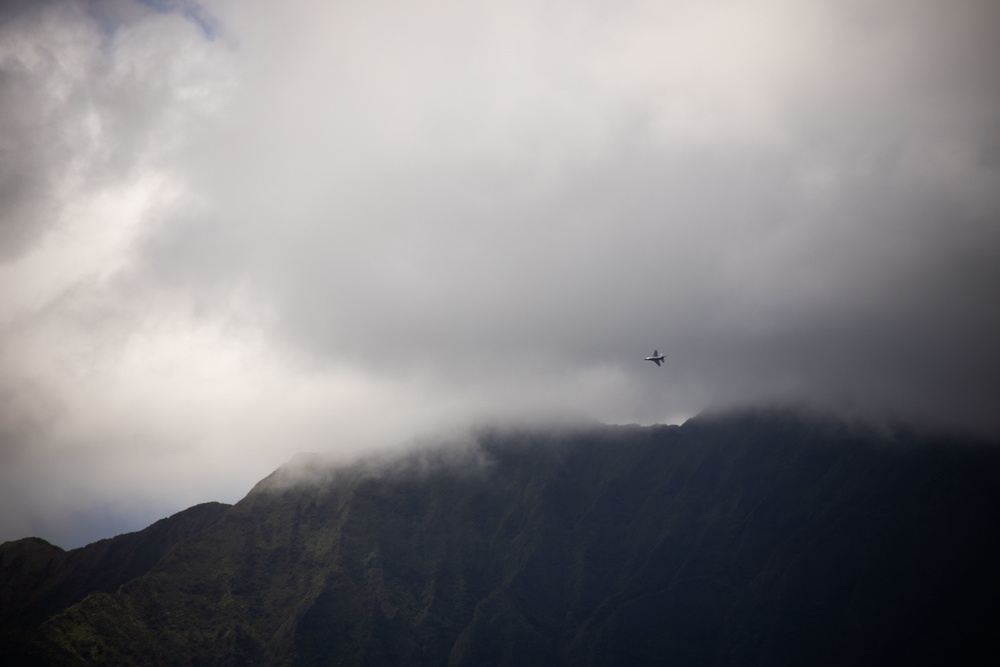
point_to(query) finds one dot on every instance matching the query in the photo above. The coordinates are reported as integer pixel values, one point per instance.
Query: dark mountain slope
(38, 580)
(761, 538)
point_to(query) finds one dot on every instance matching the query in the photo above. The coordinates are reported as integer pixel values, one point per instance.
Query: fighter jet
(657, 358)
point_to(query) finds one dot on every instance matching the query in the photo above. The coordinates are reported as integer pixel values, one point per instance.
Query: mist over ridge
(760, 535)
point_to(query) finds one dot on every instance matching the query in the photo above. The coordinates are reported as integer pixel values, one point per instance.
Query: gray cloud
(336, 228)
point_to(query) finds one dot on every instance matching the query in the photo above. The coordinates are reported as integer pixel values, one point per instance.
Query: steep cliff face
(748, 539)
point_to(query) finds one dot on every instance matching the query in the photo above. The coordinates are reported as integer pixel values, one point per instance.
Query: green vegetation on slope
(750, 539)
(39, 580)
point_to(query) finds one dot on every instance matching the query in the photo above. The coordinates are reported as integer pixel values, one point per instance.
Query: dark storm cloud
(28, 154)
(826, 232)
(74, 118)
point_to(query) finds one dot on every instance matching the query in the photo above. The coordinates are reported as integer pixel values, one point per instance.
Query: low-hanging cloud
(232, 231)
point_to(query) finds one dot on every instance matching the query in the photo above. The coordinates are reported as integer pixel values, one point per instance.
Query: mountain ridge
(753, 538)
(39, 579)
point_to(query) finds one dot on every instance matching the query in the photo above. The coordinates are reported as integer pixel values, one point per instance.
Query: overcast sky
(235, 230)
